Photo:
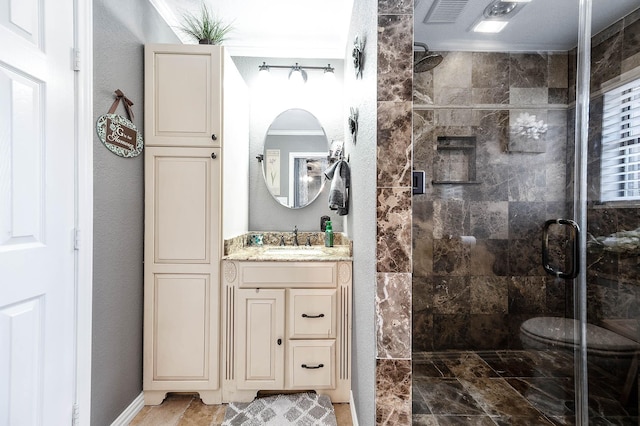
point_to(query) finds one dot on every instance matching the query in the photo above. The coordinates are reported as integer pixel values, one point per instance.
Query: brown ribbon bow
(127, 104)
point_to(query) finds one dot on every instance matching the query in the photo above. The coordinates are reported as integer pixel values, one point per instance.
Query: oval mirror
(295, 156)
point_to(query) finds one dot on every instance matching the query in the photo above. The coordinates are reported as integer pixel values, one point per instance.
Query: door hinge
(75, 416)
(76, 239)
(76, 59)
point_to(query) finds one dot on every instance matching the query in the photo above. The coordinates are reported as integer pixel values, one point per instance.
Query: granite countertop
(314, 253)
(244, 247)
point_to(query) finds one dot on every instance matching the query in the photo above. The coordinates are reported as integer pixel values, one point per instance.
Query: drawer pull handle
(312, 316)
(311, 367)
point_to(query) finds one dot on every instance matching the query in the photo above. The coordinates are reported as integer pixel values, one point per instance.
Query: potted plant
(204, 27)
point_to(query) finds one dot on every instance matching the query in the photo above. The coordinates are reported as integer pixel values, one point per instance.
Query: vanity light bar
(294, 69)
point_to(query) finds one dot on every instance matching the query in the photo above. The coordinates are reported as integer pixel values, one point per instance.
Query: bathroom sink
(294, 251)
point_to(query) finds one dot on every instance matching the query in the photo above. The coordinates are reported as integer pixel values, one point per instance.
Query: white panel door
(37, 190)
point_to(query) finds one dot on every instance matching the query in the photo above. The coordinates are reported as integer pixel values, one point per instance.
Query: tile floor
(188, 410)
(511, 388)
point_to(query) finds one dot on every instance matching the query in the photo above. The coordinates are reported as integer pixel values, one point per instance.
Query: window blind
(620, 161)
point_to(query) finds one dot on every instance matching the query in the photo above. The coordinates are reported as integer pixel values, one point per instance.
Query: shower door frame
(583, 77)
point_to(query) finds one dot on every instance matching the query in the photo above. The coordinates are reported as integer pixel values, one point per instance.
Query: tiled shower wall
(476, 245)
(393, 206)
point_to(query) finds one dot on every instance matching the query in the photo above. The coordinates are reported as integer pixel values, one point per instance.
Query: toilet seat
(557, 331)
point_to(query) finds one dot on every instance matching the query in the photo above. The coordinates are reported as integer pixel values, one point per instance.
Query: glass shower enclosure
(526, 242)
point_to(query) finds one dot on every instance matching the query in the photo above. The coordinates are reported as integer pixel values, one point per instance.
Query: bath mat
(300, 409)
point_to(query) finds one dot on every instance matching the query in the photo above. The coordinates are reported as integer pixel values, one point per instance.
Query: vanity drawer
(312, 314)
(312, 364)
(287, 274)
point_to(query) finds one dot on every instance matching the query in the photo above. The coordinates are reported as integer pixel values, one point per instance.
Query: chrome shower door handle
(574, 255)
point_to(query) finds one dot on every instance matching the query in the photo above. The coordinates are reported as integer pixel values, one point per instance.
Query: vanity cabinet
(187, 183)
(287, 327)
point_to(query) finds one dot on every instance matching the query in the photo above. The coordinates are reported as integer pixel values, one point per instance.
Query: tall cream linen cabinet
(196, 162)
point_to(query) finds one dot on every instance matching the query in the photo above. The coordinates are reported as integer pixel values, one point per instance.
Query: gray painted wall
(361, 223)
(267, 102)
(121, 28)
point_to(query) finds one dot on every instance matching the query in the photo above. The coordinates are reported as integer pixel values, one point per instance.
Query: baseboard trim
(352, 405)
(130, 412)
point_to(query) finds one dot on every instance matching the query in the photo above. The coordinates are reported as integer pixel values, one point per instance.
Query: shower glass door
(607, 170)
(515, 129)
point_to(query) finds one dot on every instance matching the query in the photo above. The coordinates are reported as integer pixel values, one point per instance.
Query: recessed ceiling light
(492, 26)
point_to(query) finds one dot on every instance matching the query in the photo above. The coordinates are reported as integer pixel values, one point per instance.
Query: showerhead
(425, 61)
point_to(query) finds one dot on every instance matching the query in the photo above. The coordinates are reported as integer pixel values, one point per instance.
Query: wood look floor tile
(167, 413)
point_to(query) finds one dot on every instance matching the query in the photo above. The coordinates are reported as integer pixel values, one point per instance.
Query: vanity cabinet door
(260, 338)
(183, 89)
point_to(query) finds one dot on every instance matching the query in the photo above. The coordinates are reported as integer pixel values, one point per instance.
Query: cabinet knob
(279, 342)
(214, 137)
(213, 155)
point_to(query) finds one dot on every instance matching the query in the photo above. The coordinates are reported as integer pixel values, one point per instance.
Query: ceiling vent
(445, 11)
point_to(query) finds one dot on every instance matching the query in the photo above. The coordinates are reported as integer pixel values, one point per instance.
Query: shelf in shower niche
(455, 160)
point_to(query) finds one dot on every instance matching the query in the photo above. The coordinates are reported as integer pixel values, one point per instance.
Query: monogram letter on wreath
(117, 133)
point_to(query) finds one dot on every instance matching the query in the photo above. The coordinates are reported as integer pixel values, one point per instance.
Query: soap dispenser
(328, 235)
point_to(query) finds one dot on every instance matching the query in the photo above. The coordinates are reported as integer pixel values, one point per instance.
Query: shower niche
(455, 160)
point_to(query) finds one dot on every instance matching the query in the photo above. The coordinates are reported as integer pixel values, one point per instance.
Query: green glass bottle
(328, 235)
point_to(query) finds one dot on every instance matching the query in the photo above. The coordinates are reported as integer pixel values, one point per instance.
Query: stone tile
(395, 6)
(558, 75)
(606, 60)
(393, 392)
(490, 70)
(552, 396)
(489, 258)
(528, 70)
(451, 257)
(450, 218)
(394, 144)
(423, 88)
(467, 365)
(451, 331)
(393, 315)
(489, 295)
(447, 396)
(395, 52)
(527, 295)
(489, 220)
(524, 257)
(394, 230)
(451, 295)
(497, 398)
(489, 331)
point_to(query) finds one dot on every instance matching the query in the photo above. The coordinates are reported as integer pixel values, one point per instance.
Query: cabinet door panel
(260, 339)
(181, 317)
(183, 102)
(183, 195)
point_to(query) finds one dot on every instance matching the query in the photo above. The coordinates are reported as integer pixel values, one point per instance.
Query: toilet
(605, 348)
(558, 332)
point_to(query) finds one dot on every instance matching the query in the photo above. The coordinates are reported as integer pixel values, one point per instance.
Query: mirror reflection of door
(307, 176)
(296, 153)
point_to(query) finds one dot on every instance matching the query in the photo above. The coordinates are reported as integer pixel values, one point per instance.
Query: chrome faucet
(295, 236)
